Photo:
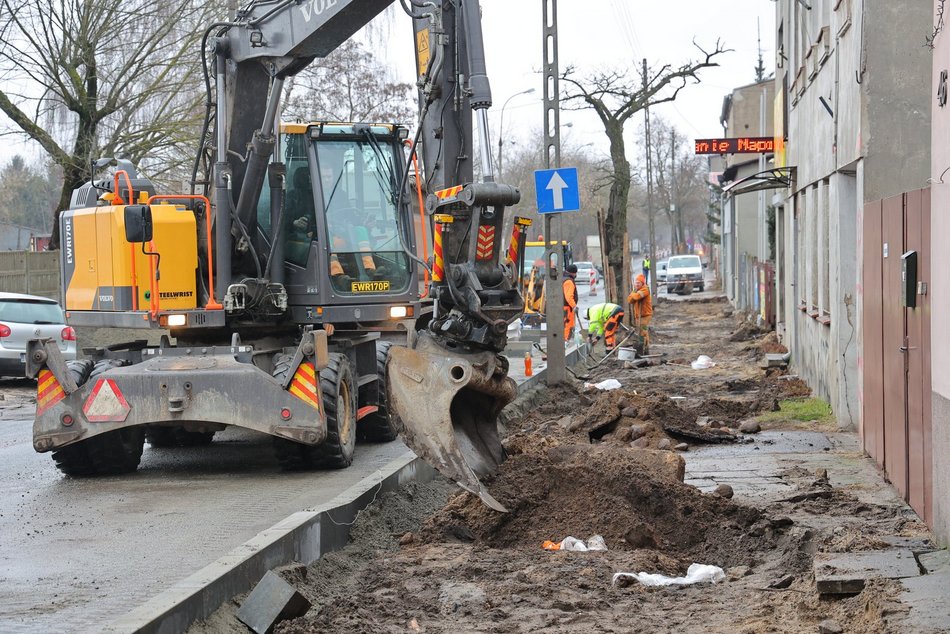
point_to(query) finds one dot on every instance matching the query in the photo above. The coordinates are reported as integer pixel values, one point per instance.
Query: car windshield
(30, 311)
(690, 261)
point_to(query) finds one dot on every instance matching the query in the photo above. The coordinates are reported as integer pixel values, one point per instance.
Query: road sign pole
(553, 294)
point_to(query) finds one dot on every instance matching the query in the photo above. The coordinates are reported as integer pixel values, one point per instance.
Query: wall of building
(897, 99)
(856, 120)
(940, 291)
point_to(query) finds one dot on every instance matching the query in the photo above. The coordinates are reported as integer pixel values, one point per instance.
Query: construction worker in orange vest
(641, 305)
(570, 299)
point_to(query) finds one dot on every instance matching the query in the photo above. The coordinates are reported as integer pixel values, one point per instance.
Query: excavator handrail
(212, 303)
(422, 218)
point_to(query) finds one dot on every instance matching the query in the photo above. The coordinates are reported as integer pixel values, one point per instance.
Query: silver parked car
(586, 271)
(25, 317)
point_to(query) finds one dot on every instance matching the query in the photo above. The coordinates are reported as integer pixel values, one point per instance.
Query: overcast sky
(619, 33)
(597, 33)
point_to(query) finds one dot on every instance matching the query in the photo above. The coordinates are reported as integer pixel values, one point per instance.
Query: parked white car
(586, 271)
(25, 317)
(684, 273)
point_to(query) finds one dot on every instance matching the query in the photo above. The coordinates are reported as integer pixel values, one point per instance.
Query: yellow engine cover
(101, 271)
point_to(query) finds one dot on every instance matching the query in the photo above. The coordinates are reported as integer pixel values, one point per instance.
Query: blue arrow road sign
(557, 190)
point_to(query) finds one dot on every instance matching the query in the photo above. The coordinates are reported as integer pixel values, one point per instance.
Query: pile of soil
(634, 502)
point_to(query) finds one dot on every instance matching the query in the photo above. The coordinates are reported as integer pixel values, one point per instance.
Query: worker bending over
(604, 319)
(641, 305)
(570, 299)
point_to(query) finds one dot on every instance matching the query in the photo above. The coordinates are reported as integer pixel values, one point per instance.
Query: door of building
(896, 415)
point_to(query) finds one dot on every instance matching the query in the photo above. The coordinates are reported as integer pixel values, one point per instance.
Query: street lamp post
(501, 126)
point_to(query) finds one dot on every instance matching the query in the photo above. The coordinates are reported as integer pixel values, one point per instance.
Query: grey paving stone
(845, 573)
(273, 600)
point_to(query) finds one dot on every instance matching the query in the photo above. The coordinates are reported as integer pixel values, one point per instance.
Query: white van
(684, 273)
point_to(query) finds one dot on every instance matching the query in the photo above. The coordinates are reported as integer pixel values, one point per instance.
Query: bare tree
(87, 79)
(27, 193)
(350, 84)
(615, 96)
(680, 180)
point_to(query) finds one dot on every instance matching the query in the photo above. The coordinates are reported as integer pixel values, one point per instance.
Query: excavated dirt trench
(582, 463)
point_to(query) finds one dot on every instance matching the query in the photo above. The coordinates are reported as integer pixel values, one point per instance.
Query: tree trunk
(616, 221)
(75, 173)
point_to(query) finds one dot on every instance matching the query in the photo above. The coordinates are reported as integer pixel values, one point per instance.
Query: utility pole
(553, 294)
(650, 212)
(673, 212)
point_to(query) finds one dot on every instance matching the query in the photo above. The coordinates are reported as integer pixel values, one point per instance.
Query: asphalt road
(76, 554)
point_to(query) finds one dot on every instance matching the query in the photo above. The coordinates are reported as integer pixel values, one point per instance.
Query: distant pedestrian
(646, 268)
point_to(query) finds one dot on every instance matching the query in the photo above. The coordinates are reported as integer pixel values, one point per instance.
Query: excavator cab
(342, 233)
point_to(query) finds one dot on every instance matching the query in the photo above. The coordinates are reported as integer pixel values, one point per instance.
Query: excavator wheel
(110, 453)
(384, 425)
(338, 390)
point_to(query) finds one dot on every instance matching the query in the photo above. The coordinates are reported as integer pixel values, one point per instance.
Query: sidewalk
(862, 531)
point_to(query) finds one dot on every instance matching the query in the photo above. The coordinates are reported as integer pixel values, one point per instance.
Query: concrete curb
(303, 537)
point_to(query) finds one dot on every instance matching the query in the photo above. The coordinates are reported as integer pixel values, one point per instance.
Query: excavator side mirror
(138, 223)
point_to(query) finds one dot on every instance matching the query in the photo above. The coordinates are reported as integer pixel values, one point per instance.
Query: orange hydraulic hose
(153, 282)
(422, 221)
(212, 303)
(135, 282)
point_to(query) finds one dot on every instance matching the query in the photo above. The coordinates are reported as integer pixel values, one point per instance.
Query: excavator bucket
(449, 404)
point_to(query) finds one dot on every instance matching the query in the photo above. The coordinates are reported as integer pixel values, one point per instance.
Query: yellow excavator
(288, 277)
(533, 271)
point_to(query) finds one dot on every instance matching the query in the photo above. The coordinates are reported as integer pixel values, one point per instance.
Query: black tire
(338, 390)
(383, 425)
(114, 452)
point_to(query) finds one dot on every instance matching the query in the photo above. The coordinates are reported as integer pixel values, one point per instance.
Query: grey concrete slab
(928, 597)
(271, 601)
(936, 562)
(846, 573)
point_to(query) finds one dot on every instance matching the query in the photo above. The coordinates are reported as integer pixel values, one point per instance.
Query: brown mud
(584, 463)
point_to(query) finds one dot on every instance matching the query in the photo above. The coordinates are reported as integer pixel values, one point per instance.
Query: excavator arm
(449, 385)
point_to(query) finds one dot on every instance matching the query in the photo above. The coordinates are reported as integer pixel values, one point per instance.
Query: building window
(800, 255)
(824, 251)
(814, 207)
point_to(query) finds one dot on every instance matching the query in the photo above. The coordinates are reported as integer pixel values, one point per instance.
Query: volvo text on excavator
(285, 276)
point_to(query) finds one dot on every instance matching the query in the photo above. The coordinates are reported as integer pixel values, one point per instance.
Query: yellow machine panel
(104, 272)
(79, 258)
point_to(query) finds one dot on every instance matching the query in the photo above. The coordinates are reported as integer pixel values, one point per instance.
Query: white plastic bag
(696, 573)
(702, 362)
(572, 543)
(608, 384)
(596, 542)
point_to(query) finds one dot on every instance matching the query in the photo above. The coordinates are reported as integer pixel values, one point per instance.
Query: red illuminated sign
(740, 145)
